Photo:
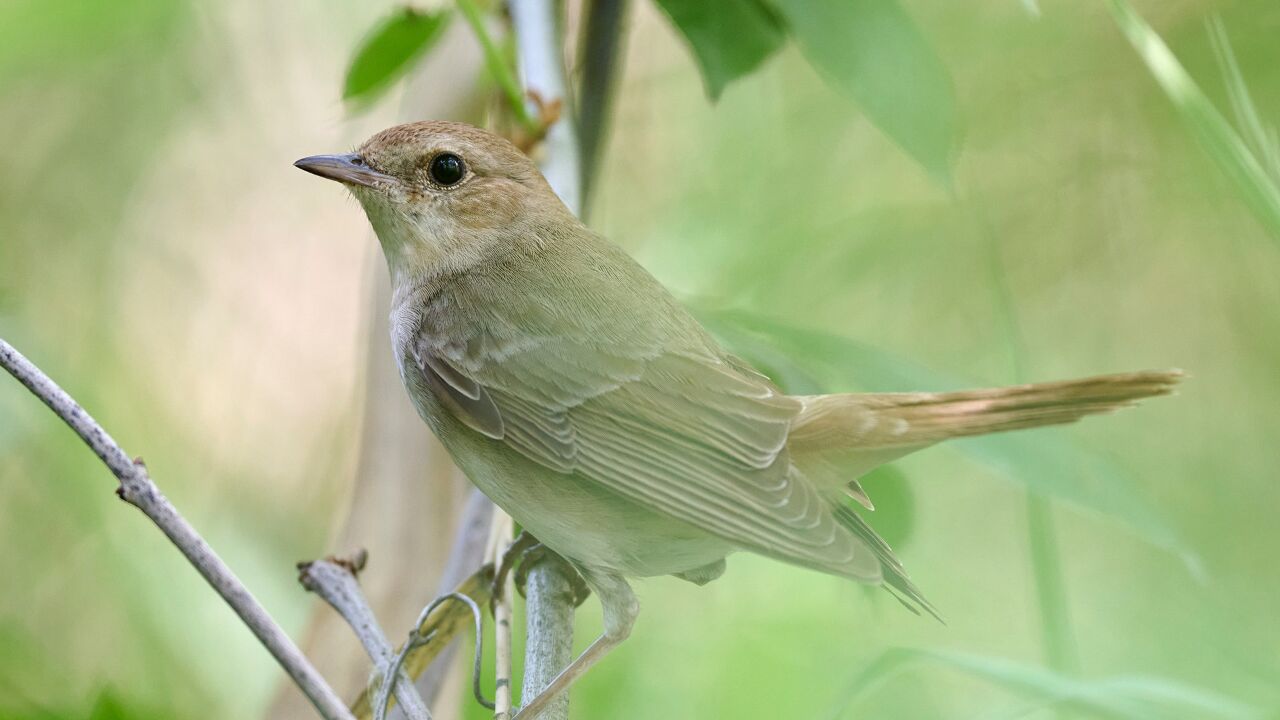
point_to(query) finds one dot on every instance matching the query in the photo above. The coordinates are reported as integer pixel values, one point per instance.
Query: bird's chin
(380, 195)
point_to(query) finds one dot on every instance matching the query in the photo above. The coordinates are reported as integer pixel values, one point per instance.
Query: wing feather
(464, 397)
(643, 403)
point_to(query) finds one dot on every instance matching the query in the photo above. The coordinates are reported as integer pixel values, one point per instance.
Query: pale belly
(572, 515)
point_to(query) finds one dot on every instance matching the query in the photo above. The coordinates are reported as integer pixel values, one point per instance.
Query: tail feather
(838, 438)
(913, 420)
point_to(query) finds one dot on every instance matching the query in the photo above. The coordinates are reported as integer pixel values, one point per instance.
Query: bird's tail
(885, 420)
(902, 422)
(838, 438)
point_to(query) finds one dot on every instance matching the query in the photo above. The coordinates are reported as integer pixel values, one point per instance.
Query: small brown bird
(578, 394)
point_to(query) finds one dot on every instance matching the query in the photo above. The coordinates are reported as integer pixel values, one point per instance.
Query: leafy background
(862, 195)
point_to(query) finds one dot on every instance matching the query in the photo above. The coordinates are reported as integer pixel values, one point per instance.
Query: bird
(574, 390)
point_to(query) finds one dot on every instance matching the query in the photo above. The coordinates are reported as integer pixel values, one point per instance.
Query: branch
(459, 575)
(500, 605)
(549, 605)
(423, 634)
(549, 598)
(137, 489)
(434, 632)
(335, 582)
(542, 72)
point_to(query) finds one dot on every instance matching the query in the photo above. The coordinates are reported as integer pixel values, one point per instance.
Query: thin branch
(549, 599)
(137, 489)
(459, 575)
(432, 635)
(1046, 556)
(335, 582)
(500, 539)
(418, 638)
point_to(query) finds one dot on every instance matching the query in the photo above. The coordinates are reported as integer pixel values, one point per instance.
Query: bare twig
(460, 575)
(499, 540)
(418, 638)
(137, 489)
(335, 582)
(443, 622)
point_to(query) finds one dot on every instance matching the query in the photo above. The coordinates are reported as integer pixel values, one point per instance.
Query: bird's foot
(511, 557)
(537, 553)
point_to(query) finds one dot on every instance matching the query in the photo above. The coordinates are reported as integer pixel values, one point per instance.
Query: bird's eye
(447, 169)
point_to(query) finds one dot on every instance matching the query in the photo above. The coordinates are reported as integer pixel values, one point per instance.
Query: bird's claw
(539, 553)
(511, 557)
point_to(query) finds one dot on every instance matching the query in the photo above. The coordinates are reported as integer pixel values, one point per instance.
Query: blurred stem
(1051, 588)
(496, 61)
(1046, 559)
(541, 61)
(599, 59)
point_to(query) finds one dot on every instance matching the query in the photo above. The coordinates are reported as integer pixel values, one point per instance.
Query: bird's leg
(620, 611)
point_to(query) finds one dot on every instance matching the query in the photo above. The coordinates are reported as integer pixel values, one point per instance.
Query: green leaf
(389, 51)
(1219, 139)
(730, 38)
(1118, 698)
(1045, 461)
(873, 51)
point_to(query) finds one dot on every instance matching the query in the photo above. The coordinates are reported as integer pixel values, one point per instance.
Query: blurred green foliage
(1120, 698)
(730, 38)
(1088, 226)
(389, 52)
(1255, 170)
(872, 50)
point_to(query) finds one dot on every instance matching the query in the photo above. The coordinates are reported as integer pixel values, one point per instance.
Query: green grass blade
(1256, 131)
(1224, 145)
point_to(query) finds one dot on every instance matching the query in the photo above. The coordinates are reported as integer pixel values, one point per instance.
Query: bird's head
(443, 196)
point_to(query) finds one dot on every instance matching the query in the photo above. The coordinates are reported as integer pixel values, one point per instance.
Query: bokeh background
(218, 311)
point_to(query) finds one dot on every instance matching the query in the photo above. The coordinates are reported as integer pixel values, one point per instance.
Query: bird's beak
(348, 169)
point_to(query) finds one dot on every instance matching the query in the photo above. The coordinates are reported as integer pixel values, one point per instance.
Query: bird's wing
(653, 411)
